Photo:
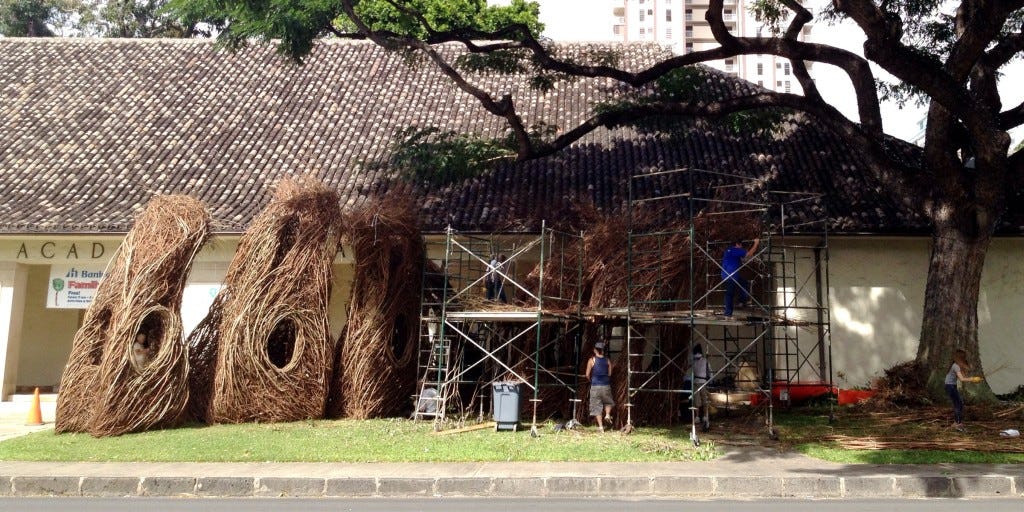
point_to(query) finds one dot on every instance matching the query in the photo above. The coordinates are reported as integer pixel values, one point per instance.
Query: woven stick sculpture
(264, 351)
(376, 361)
(128, 370)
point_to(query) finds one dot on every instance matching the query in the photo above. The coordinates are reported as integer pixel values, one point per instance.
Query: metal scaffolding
(761, 356)
(468, 343)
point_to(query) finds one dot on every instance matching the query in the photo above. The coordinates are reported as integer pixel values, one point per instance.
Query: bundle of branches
(128, 369)
(902, 385)
(375, 364)
(660, 261)
(264, 351)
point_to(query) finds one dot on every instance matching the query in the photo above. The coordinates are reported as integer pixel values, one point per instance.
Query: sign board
(72, 286)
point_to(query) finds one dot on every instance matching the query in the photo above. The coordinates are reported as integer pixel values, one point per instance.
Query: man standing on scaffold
(731, 263)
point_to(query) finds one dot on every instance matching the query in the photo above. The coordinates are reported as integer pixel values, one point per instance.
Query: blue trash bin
(505, 401)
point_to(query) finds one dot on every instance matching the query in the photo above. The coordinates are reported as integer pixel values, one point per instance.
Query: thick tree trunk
(950, 318)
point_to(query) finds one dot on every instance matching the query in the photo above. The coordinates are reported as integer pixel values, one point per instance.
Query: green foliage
(900, 93)
(140, 19)
(105, 18)
(521, 61)
(682, 84)
(442, 157)
(686, 85)
(678, 85)
(295, 24)
(758, 122)
(501, 61)
(417, 18)
(28, 18)
(772, 13)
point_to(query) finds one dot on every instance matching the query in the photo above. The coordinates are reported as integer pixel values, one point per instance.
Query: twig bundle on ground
(902, 385)
(111, 386)
(264, 351)
(375, 365)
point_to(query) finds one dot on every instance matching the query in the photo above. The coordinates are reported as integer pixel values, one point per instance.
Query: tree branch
(868, 133)
(1012, 118)
(857, 68)
(1015, 165)
(883, 46)
(976, 28)
(801, 18)
(519, 36)
(504, 107)
(1005, 50)
(877, 157)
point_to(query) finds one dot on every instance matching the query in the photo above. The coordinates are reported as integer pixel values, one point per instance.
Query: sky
(579, 20)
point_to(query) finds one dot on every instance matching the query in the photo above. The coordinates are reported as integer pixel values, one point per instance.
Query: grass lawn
(394, 440)
(916, 436)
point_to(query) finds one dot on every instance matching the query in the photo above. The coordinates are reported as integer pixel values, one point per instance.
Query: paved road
(496, 505)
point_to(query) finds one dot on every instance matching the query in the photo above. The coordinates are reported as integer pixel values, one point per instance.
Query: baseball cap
(599, 345)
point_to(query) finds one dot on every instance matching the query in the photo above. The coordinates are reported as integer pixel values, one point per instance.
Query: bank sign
(72, 286)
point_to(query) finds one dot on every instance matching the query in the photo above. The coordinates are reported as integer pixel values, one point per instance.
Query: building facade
(128, 119)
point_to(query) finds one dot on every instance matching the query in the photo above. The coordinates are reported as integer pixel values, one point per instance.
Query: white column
(13, 279)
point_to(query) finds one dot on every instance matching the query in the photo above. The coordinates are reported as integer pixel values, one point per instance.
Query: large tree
(140, 19)
(947, 54)
(36, 18)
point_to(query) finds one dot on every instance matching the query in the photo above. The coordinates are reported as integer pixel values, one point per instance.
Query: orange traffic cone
(35, 414)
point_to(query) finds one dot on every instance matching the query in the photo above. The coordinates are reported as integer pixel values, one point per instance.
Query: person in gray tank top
(956, 374)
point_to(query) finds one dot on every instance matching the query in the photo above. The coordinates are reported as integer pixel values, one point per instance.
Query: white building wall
(876, 295)
(877, 299)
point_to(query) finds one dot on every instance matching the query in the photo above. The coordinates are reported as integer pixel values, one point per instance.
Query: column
(13, 279)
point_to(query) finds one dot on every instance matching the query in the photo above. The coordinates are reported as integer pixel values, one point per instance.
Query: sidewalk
(741, 472)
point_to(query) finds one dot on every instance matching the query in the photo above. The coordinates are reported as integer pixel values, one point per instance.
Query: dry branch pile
(109, 389)
(902, 385)
(264, 351)
(375, 364)
(930, 428)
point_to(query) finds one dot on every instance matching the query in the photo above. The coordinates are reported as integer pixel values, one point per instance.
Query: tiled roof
(92, 128)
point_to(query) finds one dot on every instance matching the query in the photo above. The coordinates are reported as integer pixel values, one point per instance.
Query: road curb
(743, 487)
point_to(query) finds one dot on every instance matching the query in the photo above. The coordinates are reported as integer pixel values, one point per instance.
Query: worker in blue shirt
(731, 263)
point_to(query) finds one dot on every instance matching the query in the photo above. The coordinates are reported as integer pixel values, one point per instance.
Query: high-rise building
(679, 24)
